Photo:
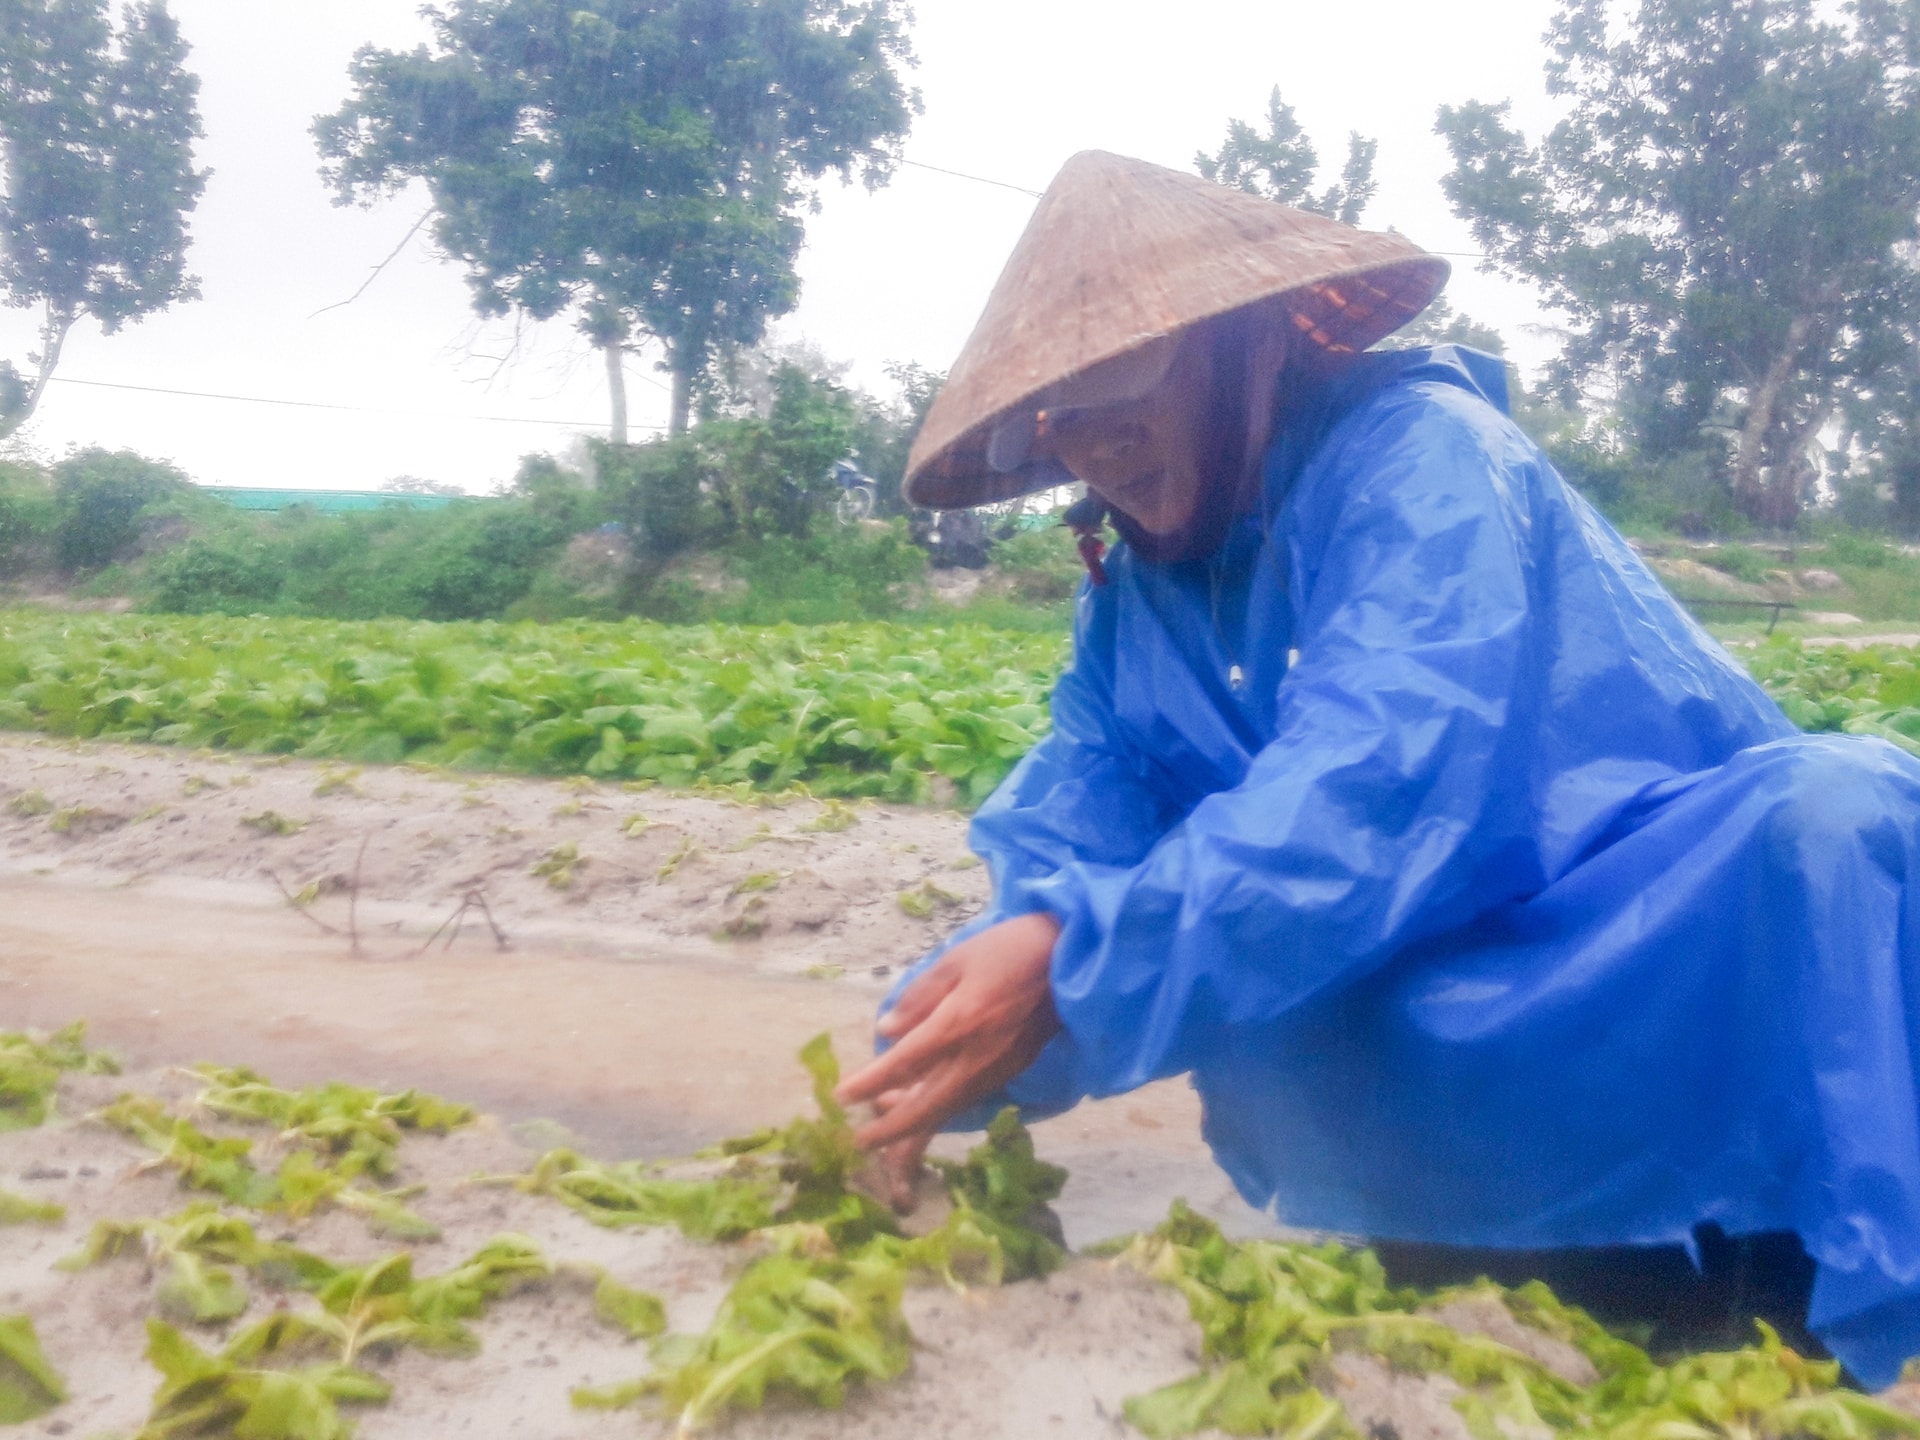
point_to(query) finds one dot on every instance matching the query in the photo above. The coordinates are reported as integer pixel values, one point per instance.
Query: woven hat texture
(1120, 253)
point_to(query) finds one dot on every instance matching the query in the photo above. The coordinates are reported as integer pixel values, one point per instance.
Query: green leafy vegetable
(21, 1210)
(638, 1312)
(223, 1165)
(29, 1385)
(196, 1249)
(272, 822)
(823, 1311)
(226, 1394)
(1272, 1314)
(926, 898)
(630, 1193)
(806, 1328)
(1008, 1189)
(558, 866)
(382, 1306)
(359, 1128)
(30, 1068)
(865, 709)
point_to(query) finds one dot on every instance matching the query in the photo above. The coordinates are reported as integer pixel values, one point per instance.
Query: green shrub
(1851, 547)
(26, 519)
(1740, 561)
(837, 573)
(1040, 566)
(100, 499)
(232, 576)
(656, 492)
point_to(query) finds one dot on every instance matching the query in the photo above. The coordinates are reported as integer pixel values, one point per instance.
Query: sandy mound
(790, 888)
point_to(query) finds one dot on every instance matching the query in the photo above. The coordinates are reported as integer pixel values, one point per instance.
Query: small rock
(43, 1172)
(1821, 580)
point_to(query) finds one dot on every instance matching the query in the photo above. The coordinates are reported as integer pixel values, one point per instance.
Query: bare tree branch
(425, 216)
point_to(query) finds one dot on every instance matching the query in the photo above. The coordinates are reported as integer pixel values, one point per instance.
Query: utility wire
(355, 409)
(977, 179)
(1007, 185)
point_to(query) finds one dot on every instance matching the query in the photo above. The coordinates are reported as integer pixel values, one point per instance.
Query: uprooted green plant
(234, 1393)
(1273, 1317)
(29, 1385)
(30, 1068)
(24, 1210)
(205, 1254)
(301, 1184)
(359, 1128)
(822, 1311)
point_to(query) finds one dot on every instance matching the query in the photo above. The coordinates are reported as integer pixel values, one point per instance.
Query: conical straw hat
(1120, 253)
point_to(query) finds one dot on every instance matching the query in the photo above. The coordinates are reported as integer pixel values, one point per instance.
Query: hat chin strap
(1085, 517)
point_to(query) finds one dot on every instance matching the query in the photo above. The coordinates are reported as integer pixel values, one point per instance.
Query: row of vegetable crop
(854, 709)
(815, 1309)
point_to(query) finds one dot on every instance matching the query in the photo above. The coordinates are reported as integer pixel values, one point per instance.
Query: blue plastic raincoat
(1485, 898)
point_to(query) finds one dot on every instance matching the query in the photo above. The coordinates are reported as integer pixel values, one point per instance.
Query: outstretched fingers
(921, 999)
(902, 1066)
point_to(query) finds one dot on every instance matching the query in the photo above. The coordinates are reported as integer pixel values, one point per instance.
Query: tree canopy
(642, 165)
(1728, 214)
(1281, 165)
(96, 145)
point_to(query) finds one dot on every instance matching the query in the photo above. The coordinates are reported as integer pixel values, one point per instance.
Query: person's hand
(976, 1019)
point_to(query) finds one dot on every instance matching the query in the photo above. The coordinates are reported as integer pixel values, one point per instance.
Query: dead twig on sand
(299, 905)
(473, 899)
(353, 899)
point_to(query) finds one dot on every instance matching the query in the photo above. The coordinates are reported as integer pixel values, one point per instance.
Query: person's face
(1144, 457)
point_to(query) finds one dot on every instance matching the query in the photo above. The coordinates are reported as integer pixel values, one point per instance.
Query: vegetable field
(854, 709)
(283, 1292)
(900, 712)
(1862, 692)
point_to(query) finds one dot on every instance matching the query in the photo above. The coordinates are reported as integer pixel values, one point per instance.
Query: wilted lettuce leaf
(1008, 1188)
(638, 1312)
(358, 1128)
(302, 1184)
(202, 1394)
(194, 1290)
(629, 1193)
(382, 1305)
(195, 1249)
(794, 1326)
(29, 1385)
(21, 1210)
(30, 1069)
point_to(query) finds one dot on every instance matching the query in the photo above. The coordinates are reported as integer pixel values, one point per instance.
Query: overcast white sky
(1011, 88)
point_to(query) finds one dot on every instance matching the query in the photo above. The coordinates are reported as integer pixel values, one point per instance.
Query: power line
(1008, 185)
(977, 179)
(324, 405)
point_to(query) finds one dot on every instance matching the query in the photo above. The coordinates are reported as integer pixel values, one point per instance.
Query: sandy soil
(573, 863)
(1057, 1358)
(134, 894)
(614, 1013)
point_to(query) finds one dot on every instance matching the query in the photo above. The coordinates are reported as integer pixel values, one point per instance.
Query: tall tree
(96, 148)
(1282, 163)
(643, 165)
(1727, 212)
